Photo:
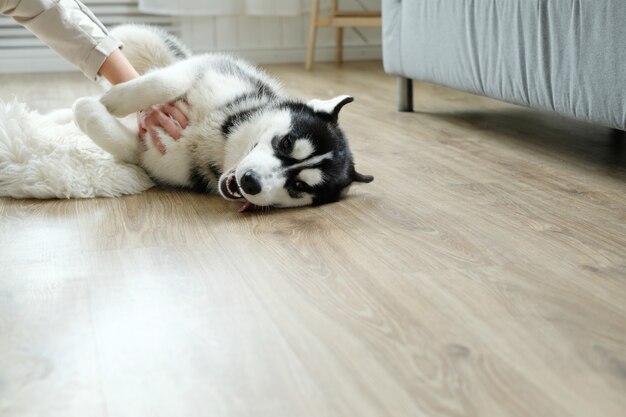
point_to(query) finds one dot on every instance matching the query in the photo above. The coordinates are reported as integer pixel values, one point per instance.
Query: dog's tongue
(246, 206)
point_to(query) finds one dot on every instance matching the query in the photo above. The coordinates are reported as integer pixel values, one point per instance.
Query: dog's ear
(357, 177)
(330, 107)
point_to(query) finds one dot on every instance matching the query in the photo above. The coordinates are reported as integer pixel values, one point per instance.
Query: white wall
(280, 39)
(261, 39)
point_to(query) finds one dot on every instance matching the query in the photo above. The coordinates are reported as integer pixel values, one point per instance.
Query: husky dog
(244, 139)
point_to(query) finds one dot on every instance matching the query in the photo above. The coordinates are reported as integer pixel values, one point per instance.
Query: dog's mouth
(230, 190)
(229, 187)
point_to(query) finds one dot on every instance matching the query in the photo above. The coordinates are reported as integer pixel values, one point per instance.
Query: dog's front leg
(158, 87)
(105, 130)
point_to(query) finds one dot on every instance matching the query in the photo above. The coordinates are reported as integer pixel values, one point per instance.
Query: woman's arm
(117, 69)
(68, 27)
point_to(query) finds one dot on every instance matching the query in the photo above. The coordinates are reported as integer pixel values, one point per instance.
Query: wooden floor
(482, 273)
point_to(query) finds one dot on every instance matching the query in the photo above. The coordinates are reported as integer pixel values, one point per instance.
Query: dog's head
(293, 155)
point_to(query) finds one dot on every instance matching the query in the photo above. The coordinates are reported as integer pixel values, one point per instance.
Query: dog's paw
(88, 113)
(118, 102)
(94, 120)
(130, 97)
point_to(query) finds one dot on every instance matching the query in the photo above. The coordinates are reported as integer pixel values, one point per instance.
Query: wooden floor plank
(480, 274)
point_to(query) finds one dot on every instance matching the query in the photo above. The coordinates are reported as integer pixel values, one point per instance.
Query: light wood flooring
(482, 273)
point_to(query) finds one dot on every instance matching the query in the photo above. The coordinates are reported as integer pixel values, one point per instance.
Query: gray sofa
(565, 56)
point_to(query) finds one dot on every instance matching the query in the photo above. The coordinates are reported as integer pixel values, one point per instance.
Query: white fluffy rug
(47, 156)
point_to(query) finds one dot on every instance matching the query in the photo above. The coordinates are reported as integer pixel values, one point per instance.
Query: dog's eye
(300, 186)
(286, 145)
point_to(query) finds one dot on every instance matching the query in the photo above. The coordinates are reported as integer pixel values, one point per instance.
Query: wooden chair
(339, 20)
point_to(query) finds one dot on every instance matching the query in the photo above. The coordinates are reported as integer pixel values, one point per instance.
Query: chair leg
(315, 9)
(334, 7)
(339, 50)
(405, 94)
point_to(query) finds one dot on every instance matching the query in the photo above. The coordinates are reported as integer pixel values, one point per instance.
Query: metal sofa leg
(617, 149)
(405, 94)
(618, 139)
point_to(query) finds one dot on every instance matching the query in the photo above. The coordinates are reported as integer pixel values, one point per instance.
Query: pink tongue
(247, 205)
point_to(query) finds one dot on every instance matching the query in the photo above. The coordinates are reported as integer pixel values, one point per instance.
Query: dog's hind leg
(61, 116)
(105, 130)
(157, 87)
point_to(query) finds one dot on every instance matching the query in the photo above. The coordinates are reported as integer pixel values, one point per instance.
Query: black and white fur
(245, 139)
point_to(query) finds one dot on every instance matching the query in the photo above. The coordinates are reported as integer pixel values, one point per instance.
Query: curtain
(222, 7)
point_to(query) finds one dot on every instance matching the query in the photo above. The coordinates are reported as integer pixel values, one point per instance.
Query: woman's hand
(166, 116)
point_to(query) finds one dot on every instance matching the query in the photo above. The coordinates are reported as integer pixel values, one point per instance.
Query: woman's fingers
(171, 127)
(178, 115)
(165, 116)
(155, 139)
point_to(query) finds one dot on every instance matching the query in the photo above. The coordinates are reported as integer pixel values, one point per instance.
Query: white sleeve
(68, 27)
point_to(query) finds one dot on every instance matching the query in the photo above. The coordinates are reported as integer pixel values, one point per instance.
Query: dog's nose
(250, 183)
